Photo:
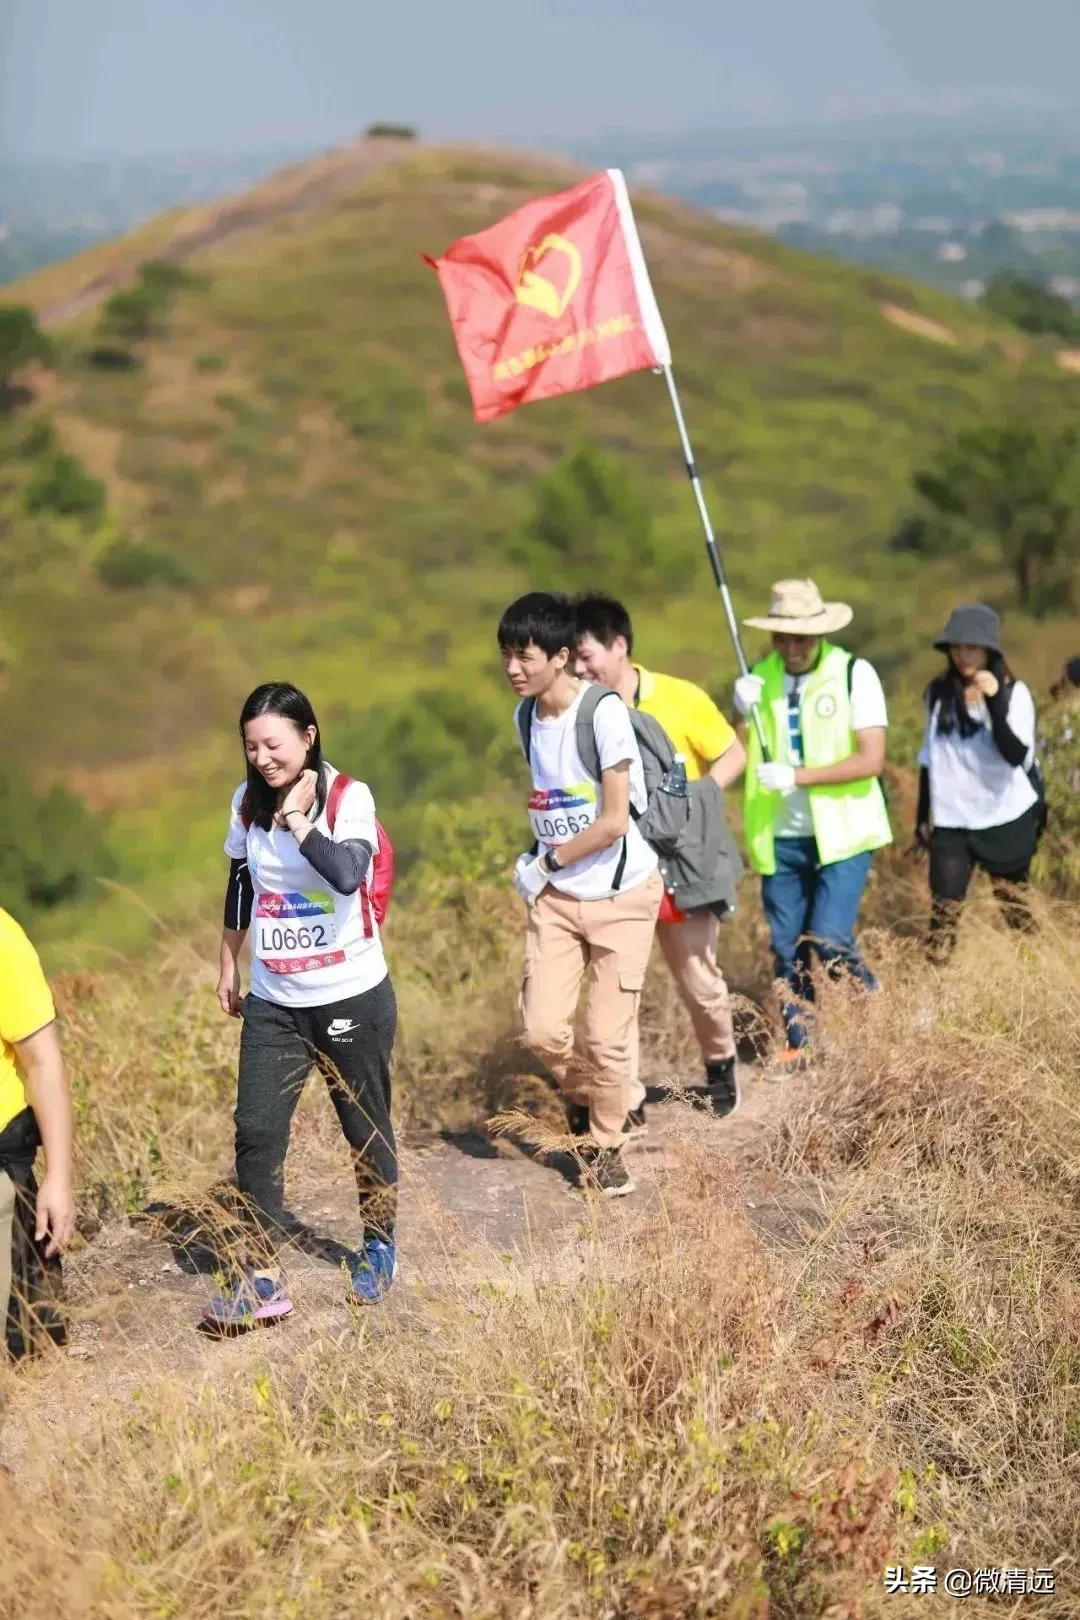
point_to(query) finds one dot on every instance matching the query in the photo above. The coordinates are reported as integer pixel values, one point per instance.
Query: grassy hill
(294, 487)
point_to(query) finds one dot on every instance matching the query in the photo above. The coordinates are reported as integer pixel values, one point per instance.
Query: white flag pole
(711, 547)
(653, 324)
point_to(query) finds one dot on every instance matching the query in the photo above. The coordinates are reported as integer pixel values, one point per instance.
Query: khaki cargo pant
(7, 1215)
(689, 950)
(611, 940)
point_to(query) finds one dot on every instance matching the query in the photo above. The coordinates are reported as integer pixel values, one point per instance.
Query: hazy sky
(151, 76)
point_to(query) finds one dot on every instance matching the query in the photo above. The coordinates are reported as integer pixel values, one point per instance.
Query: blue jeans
(811, 911)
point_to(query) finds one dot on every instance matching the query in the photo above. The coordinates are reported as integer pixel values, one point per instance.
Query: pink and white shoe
(256, 1297)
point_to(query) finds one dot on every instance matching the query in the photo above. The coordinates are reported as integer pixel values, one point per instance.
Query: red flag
(554, 298)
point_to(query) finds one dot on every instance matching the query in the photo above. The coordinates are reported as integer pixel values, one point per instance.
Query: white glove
(777, 778)
(748, 691)
(530, 879)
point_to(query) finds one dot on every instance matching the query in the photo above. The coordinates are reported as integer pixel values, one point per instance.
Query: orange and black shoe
(790, 1060)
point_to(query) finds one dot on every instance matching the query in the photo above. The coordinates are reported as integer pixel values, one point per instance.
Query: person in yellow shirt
(35, 1104)
(699, 731)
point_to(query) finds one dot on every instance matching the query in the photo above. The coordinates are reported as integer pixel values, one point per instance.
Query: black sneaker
(605, 1173)
(635, 1125)
(577, 1119)
(722, 1087)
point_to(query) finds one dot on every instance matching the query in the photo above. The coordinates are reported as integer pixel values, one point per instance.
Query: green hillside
(294, 487)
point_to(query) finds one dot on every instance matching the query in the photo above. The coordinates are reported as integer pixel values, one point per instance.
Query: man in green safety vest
(814, 809)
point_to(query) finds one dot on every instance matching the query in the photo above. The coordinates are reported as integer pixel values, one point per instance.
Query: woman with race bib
(302, 841)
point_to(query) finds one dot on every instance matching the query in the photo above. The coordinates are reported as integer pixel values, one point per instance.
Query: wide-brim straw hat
(797, 609)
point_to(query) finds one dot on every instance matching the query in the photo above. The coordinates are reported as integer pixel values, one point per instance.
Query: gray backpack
(699, 859)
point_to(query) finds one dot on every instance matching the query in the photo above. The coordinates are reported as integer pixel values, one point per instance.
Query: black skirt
(1000, 851)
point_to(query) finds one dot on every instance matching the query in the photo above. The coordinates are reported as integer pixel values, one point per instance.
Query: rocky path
(479, 1209)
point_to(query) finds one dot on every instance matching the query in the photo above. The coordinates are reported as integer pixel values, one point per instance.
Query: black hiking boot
(722, 1087)
(603, 1172)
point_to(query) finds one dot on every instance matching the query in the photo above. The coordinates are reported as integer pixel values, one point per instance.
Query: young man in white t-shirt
(591, 882)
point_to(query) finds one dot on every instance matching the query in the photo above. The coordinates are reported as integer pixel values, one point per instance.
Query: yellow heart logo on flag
(537, 291)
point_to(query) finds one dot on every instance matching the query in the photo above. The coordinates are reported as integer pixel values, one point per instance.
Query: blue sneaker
(372, 1270)
(256, 1297)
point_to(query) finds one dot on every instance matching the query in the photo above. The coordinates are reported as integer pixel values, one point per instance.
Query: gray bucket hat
(972, 624)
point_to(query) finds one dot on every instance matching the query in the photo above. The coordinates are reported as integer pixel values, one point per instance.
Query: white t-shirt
(971, 786)
(793, 817)
(565, 799)
(310, 946)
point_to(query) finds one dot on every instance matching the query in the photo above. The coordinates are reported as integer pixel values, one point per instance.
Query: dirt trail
(483, 1209)
(299, 189)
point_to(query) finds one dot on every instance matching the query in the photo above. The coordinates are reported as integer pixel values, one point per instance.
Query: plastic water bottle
(675, 781)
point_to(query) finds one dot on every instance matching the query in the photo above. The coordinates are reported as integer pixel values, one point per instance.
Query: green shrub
(62, 485)
(54, 846)
(21, 341)
(40, 439)
(384, 403)
(211, 362)
(138, 312)
(1031, 306)
(1017, 484)
(167, 278)
(590, 522)
(436, 745)
(1058, 862)
(110, 357)
(131, 565)
(133, 314)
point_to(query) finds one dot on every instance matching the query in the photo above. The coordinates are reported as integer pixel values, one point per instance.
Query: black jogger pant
(350, 1042)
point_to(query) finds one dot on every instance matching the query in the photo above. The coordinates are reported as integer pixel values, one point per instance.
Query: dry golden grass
(853, 1343)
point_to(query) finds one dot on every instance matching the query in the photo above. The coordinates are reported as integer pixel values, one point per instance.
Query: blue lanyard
(794, 724)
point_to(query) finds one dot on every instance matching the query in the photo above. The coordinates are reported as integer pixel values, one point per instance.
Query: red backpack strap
(334, 797)
(382, 875)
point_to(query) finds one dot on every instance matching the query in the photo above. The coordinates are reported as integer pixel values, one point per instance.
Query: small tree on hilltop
(1017, 486)
(386, 131)
(21, 342)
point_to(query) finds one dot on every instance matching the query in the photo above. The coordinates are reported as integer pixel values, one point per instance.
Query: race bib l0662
(296, 933)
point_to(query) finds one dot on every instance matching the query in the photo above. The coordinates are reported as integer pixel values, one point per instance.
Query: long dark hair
(284, 699)
(947, 690)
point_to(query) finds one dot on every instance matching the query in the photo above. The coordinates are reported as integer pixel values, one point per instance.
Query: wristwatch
(550, 864)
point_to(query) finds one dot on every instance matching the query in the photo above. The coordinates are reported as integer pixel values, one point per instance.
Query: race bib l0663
(557, 814)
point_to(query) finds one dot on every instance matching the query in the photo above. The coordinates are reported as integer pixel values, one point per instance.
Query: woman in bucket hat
(814, 810)
(980, 803)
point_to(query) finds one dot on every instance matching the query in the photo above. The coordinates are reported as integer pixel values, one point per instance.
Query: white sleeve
(236, 837)
(867, 697)
(356, 816)
(1022, 714)
(615, 740)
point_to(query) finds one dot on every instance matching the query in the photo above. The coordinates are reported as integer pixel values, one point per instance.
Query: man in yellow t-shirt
(699, 731)
(32, 1078)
